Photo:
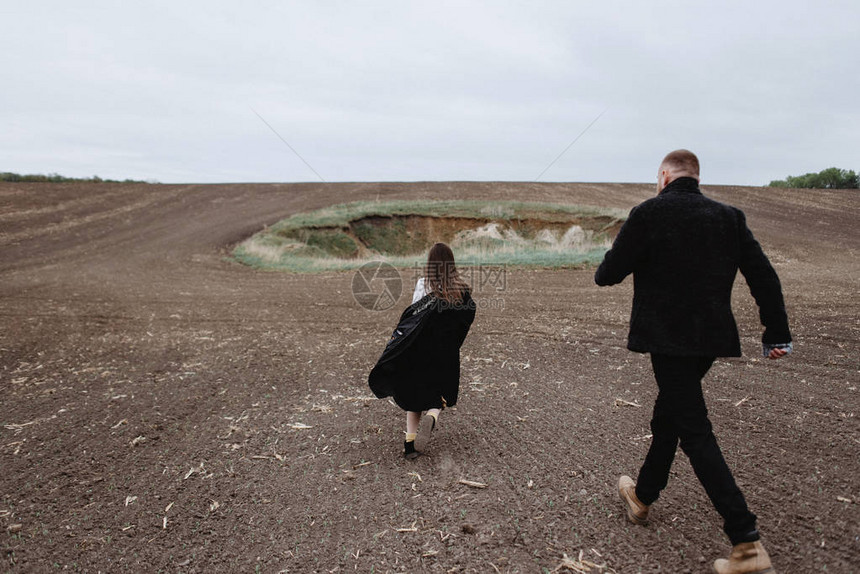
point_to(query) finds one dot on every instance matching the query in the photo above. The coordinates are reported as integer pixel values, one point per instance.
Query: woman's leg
(434, 413)
(426, 425)
(412, 420)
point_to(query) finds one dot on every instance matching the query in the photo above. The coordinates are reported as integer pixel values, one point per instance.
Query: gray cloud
(442, 91)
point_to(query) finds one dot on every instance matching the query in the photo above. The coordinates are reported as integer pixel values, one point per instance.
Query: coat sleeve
(764, 286)
(462, 319)
(628, 251)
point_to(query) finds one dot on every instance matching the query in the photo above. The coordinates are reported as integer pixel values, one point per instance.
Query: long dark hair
(441, 276)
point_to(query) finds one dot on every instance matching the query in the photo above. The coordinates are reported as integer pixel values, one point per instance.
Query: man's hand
(777, 353)
(772, 351)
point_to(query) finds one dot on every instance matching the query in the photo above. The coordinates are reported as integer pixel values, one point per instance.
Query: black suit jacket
(684, 251)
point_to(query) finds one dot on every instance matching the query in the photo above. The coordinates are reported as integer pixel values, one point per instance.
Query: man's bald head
(679, 163)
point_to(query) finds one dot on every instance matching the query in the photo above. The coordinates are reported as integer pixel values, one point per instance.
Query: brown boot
(637, 512)
(746, 558)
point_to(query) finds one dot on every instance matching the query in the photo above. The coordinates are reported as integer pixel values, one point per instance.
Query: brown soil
(151, 392)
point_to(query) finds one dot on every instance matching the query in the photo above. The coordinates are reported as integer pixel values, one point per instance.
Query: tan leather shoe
(746, 558)
(637, 512)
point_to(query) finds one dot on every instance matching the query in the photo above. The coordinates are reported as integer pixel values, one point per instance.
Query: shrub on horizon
(57, 178)
(830, 178)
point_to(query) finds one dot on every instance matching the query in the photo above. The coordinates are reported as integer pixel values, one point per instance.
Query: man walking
(684, 251)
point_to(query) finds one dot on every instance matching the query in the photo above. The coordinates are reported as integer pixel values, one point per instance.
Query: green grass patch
(333, 242)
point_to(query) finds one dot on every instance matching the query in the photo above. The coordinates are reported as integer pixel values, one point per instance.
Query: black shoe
(409, 451)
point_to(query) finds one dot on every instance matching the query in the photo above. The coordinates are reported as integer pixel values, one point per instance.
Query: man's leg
(690, 417)
(654, 474)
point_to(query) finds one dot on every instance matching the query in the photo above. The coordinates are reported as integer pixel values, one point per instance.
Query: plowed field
(165, 409)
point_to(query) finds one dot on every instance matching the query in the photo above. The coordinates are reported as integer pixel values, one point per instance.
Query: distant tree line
(830, 178)
(57, 178)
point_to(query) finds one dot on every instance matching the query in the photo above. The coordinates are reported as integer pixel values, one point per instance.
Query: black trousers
(680, 415)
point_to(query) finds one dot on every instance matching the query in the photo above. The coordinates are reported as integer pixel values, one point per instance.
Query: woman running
(420, 366)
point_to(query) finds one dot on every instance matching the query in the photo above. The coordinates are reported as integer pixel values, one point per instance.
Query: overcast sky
(407, 91)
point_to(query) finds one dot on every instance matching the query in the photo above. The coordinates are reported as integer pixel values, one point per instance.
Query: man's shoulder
(645, 207)
(720, 204)
(670, 200)
(725, 209)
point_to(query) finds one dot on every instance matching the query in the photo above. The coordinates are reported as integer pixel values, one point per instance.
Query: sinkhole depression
(345, 236)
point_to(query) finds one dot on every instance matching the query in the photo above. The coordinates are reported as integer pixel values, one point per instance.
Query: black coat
(421, 362)
(684, 251)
